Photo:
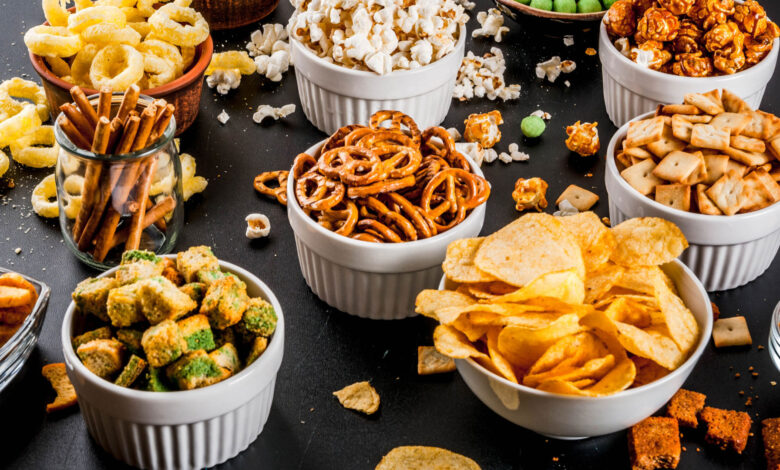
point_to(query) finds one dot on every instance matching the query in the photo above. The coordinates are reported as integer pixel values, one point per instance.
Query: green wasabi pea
(589, 6)
(542, 4)
(608, 3)
(565, 6)
(524, 2)
(532, 126)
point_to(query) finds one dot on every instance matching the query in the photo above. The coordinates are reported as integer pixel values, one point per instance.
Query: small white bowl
(774, 337)
(333, 96)
(630, 89)
(724, 251)
(183, 429)
(571, 417)
(379, 281)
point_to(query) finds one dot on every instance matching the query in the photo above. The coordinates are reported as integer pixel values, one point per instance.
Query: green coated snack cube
(132, 256)
(104, 332)
(162, 300)
(589, 6)
(195, 290)
(257, 348)
(131, 338)
(195, 370)
(170, 272)
(532, 126)
(565, 6)
(196, 332)
(259, 317)
(134, 368)
(225, 302)
(162, 343)
(542, 4)
(156, 381)
(91, 294)
(226, 357)
(123, 307)
(208, 277)
(197, 258)
(129, 273)
(524, 2)
(102, 356)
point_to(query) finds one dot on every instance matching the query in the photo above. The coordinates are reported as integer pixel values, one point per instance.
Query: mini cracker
(646, 131)
(731, 332)
(716, 166)
(678, 166)
(430, 361)
(640, 176)
(684, 406)
(682, 128)
(654, 444)
(637, 152)
(748, 158)
(676, 196)
(672, 109)
(359, 396)
(709, 102)
(709, 137)
(705, 204)
(728, 193)
(578, 197)
(666, 144)
(733, 123)
(756, 127)
(748, 144)
(58, 377)
(733, 103)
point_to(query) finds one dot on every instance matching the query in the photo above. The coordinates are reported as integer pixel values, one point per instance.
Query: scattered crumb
(568, 40)
(588, 175)
(772, 383)
(737, 375)
(590, 51)
(17, 250)
(749, 402)
(760, 347)
(223, 117)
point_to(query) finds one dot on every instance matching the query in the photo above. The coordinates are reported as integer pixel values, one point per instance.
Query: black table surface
(327, 349)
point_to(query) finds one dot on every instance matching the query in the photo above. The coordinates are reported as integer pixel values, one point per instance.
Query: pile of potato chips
(566, 304)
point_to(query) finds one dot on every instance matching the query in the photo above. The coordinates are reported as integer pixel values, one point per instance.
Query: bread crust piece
(654, 444)
(770, 432)
(684, 406)
(726, 428)
(58, 377)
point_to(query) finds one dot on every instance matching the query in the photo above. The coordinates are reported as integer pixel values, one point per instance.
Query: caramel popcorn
(641, 6)
(658, 24)
(692, 65)
(751, 17)
(483, 128)
(583, 138)
(621, 19)
(724, 36)
(530, 194)
(688, 38)
(709, 13)
(677, 7)
(650, 54)
(729, 60)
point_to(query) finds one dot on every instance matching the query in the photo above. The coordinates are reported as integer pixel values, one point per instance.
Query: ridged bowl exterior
(631, 90)
(333, 96)
(190, 429)
(724, 251)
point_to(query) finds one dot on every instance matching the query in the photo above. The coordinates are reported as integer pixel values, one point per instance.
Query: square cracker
(736, 166)
(578, 197)
(710, 137)
(705, 204)
(716, 165)
(676, 196)
(681, 128)
(624, 160)
(756, 127)
(696, 118)
(645, 131)
(678, 166)
(430, 361)
(731, 332)
(771, 125)
(638, 152)
(728, 193)
(762, 190)
(748, 144)
(774, 146)
(710, 102)
(672, 109)
(733, 103)
(666, 143)
(748, 158)
(640, 176)
(700, 174)
(735, 123)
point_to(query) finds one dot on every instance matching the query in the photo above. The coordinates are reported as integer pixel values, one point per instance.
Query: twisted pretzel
(337, 139)
(280, 191)
(317, 192)
(398, 121)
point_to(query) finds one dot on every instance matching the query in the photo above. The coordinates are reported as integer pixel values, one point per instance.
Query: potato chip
(500, 362)
(488, 290)
(566, 286)
(523, 346)
(14, 297)
(473, 332)
(625, 310)
(359, 396)
(647, 241)
(682, 325)
(596, 241)
(459, 262)
(619, 378)
(429, 300)
(454, 344)
(430, 361)
(532, 245)
(600, 281)
(647, 371)
(572, 358)
(425, 458)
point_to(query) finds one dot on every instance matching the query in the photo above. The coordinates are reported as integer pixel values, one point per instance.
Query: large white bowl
(724, 251)
(333, 96)
(630, 89)
(379, 281)
(183, 429)
(572, 417)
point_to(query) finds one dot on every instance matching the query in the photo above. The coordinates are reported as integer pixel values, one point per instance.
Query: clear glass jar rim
(65, 142)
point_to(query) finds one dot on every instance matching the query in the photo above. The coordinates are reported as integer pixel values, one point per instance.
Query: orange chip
(454, 344)
(14, 297)
(459, 263)
(647, 241)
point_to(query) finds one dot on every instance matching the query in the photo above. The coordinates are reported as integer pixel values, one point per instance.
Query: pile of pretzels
(385, 183)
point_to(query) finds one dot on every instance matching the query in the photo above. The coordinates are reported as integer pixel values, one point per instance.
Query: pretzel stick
(100, 142)
(162, 122)
(155, 214)
(159, 223)
(129, 102)
(144, 128)
(83, 103)
(128, 136)
(134, 238)
(115, 132)
(104, 102)
(91, 181)
(78, 120)
(73, 134)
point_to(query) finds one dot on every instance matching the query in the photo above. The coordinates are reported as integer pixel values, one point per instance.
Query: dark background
(326, 349)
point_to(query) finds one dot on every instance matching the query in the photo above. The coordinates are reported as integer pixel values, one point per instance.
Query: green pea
(524, 2)
(608, 3)
(589, 6)
(565, 6)
(532, 126)
(542, 4)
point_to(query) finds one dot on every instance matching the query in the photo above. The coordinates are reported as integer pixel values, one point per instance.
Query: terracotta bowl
(184, 92)
(513, 9)
(229, 14)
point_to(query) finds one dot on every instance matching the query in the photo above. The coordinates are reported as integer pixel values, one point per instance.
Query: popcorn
(223, 117)
(491, 24)
(376, 35)
(224, 80)
(265, 111)
(472, 150)
(490, 155)
(484, 77)
(516, 154)
(257, 226)
(623, 46)
(505, 157)
(565, 208)
(568, 40)
(466, 4)
(267, 41)
(453, 132)
(552, 68)
(483, 128)
(542, 114)
(273, 66)
(191, 184)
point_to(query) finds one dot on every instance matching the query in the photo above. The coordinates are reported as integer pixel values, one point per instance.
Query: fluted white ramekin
(189, 429)
(724, 251)
(333, 96)
(631, 90)
(379, 281)
(573, 417)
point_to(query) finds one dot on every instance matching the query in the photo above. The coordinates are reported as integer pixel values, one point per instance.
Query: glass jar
(98, 196)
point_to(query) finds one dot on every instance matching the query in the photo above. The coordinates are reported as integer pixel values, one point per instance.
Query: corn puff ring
(4, 163)
(238, 60)
(117, 66)
(71, 200)
(146, 7)
(182, 26)
(158, 71)
(19, 125)
(73, 185)
(87, 17)
(20, 88)
(107, 33)
(56, 12)
(58, 66)
(52, 40)
(163, 50)
(82, 63)
(188, 56)
(190, 183)
(37, 149)
(9, 107)
(44, 198)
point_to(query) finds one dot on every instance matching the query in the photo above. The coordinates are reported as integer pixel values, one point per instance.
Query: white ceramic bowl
(333, 96)
(571, 417)
(724, 251)
(379, 281)
(184, 429)
(630, 89)
(774, 337)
